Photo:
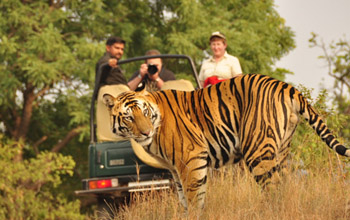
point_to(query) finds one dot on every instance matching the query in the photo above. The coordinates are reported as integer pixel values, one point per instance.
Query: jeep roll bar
(93, 137)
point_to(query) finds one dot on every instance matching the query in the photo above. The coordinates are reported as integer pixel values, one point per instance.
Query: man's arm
(135, 80)
(138, 76)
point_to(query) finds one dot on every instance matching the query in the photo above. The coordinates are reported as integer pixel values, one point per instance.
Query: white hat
(217, 34)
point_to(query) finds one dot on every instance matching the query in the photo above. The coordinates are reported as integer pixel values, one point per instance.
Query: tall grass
(233, 194)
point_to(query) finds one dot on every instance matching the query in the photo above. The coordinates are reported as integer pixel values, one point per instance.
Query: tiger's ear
(108, 100)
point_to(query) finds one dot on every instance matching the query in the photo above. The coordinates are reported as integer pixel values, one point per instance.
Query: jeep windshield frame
(93, 138)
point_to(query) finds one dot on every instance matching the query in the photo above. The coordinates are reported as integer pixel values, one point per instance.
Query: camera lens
(152, 69)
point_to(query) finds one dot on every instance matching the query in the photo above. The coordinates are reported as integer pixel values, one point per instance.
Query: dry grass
(233, 194)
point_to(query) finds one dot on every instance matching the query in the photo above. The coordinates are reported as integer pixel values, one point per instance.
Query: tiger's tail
(316, 122)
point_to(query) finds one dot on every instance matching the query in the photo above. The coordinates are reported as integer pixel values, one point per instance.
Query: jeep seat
(103, 130)
(181, 84)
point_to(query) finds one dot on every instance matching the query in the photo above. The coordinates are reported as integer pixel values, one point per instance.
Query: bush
(307, 149)
(26, 186)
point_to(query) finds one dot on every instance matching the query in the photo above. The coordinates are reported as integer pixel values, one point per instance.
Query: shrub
(26, 186)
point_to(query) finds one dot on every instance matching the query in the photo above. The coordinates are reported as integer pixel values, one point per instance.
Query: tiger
(251, 117)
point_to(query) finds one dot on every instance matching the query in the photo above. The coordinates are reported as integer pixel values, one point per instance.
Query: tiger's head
(133, 116)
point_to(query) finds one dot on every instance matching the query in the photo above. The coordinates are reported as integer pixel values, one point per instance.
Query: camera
(152, 69)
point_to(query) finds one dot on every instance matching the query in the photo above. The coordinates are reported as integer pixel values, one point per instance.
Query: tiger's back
(251, 117)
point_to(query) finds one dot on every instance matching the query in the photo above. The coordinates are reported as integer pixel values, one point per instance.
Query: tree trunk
(28, 99)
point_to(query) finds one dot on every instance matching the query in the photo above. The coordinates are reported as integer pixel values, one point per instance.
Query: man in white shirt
(221, 65)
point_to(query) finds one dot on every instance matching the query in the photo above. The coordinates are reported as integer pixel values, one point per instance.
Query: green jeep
(114, 169)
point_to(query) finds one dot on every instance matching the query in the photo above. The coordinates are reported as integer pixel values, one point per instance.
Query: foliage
(25, 187)
(255, 32)
(49, 49)
(337, 57)
(308, 150)
(47, 63)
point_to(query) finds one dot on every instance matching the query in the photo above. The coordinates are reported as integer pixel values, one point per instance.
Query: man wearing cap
(221, 65)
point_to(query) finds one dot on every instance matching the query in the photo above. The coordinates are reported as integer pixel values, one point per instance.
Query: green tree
(45, 62)
(256, 33)
(47, 58)
(337, 57)
(48, 51)
(25, 187)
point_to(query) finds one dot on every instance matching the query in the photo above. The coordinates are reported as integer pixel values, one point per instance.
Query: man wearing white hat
(221, 65)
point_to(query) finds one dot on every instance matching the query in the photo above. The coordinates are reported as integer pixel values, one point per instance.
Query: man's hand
(113, 62)
(143, 70)
(154, 77)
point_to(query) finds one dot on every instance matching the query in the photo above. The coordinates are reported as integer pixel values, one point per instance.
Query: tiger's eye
(128, 118)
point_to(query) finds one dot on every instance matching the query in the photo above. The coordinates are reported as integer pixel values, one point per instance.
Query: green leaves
(309, 151)
(337, 57)
(25, 186)
(255, 32)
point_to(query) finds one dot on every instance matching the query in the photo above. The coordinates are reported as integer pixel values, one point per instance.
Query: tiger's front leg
(193, 176)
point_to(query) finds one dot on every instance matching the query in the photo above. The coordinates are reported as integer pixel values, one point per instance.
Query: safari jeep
(114, 169)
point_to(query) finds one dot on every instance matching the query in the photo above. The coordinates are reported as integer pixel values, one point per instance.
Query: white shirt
(226, 68)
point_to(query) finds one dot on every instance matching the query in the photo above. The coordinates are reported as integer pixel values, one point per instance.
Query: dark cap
(217, 34)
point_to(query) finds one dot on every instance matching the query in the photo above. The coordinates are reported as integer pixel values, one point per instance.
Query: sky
(330, 20)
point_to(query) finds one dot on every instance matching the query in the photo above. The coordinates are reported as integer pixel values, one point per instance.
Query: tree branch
(42, 91)
(71, 134)
(38, 142)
